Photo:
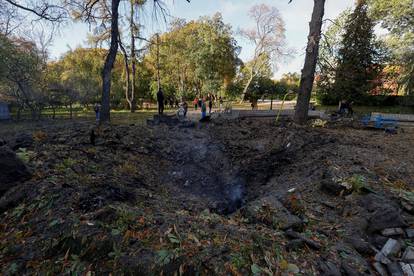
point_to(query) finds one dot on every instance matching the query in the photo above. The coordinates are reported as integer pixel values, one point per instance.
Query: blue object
(366, 119)
(381, 123)
(4, 111)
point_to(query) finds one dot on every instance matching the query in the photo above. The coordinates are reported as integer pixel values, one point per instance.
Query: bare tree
(308, 71)
(268, 37)
(43, 9)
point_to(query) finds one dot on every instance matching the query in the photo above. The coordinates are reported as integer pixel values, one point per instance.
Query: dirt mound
(228, 197)
(12, 170)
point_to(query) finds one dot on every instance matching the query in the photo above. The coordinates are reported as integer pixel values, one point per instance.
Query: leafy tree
(397, 16)
(357, 57)
(328, 57)
(21, 72)
(195, 57)
(79, 70)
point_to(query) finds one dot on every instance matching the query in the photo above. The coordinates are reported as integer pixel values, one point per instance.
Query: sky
(296, 16)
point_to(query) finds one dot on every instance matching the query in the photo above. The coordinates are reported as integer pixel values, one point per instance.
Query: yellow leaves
(39, 136)
(319, 123)
(138, 235)
(283, 264)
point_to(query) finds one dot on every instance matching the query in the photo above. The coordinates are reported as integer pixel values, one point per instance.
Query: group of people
(201, 103)
(162, 102)
(204, 102)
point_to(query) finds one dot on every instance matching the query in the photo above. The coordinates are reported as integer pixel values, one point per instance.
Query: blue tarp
(4, 111)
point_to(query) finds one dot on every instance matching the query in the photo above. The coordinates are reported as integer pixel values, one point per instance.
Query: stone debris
(392, 232)
(408, 255)
(395, 269)
(271, 211)
(380, 269)
(407, 206)
(360, 245)
(408, 269)
(391, 248)
(410, 233)
(294, 235)
(12, 170)
(386, 217)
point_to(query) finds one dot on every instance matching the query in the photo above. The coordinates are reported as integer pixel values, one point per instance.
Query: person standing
(203, 108)
(160, 100)
(200, 102)
(210, 105)
(195, 102)
(97, 110)
(185, 106)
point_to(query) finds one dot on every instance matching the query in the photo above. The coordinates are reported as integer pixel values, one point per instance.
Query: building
(4, 111)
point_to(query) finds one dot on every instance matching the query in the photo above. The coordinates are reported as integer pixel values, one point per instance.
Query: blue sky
(296, 16)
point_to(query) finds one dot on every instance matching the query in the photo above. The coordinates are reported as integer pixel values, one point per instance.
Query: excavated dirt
(227, 197)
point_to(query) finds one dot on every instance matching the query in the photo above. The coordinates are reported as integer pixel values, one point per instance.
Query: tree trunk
(109, 64)
(71, 111)
(127, 73)
(158, 62)
(271, 102)
(308, 71)
(246, 87)
(133, 59)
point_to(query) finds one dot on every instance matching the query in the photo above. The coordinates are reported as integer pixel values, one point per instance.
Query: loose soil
(179, 199)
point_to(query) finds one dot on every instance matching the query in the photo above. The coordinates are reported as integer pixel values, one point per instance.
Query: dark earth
(236, 197)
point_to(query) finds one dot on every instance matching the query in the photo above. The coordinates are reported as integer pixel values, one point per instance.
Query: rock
(12, 170)
(408, 255)
(386, 217)
(410, 233)
(395, 269)
(407, 206)
(380, 269)
(270, 211)
(378, 241)
(352, 263)
(408, 269)
(392, 232)
(381, 258)
(294, 235)
(23, 140)
(328, 269)
(295, 244)
(332, 188)
(390, 249)
(360, 245)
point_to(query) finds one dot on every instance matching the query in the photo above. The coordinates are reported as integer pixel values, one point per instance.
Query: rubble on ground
(226, 197)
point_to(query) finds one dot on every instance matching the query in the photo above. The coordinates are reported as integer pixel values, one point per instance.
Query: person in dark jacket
(160, 100)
